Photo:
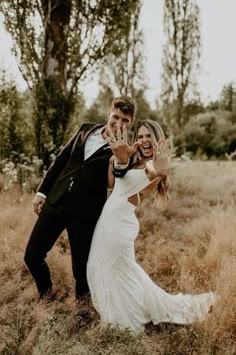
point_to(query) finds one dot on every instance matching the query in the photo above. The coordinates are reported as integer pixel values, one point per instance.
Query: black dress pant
(50, 224)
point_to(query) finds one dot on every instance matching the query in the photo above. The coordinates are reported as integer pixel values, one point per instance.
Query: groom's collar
(99, 132)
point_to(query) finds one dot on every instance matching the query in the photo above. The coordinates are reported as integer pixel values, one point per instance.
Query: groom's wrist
(120, 166)
(40, 194)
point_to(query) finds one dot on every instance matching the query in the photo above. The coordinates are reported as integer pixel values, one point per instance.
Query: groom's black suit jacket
(84, 180)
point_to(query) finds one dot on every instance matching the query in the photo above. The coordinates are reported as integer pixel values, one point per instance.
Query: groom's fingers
(119, 135)
(111, 141)
(109, 133)
(108, 130)
(125, 136)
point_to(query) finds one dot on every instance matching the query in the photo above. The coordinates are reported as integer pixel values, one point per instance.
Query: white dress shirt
(94, 142)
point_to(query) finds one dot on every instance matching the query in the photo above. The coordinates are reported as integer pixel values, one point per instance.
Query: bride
(122, 293)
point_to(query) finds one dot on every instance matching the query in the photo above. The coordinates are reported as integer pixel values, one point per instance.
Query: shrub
(21, 170)
(210, 134)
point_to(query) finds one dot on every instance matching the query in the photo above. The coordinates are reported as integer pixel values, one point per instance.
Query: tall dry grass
(188, 247)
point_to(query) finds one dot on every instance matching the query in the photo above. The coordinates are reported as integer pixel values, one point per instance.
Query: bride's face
(144, 137)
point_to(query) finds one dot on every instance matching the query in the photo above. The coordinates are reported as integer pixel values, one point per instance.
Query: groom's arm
(119, 170)
(52, 173)
(121, 150)
(115, 172)
(57, 166)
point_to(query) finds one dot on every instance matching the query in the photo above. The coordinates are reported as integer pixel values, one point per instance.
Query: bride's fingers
(167, 145)
(134, 147)
(164, 146)
(156, 150)
(160, 143)
(156, 153)
(169, 151)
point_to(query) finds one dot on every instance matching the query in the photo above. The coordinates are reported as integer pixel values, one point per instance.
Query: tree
(181, 53)
(228, 97)
(98, 111)
(210, 134)
(58, 43)
(10, 118)
(123, 71)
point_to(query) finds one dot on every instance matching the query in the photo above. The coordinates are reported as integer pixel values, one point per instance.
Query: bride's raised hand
(161, 158)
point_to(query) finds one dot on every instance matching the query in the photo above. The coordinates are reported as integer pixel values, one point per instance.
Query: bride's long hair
(156, 132)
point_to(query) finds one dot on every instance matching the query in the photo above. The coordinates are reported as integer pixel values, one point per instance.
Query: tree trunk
(53, 106)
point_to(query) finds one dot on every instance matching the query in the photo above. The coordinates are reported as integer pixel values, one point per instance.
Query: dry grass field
(189, 247)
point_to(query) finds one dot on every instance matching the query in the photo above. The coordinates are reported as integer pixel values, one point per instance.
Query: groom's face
(118, 118)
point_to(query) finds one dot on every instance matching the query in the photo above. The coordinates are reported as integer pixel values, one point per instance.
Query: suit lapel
(105, 149)
(78, 149)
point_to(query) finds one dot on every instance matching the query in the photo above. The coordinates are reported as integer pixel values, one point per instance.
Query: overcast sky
(218, 61)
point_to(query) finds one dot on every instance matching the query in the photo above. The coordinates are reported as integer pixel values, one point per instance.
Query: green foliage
(21, 171)
(77, 116)
(9, 115)
(144, 110)
(52, 110)
(15, 128)
(228, 97)
(99, 110)
(181, 54)
(123, 71)
(58, 44)
(210, 134)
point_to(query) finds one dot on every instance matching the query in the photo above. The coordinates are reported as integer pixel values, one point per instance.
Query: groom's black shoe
(86, 312)
(49, 296)
(83, 299)
(81, 289)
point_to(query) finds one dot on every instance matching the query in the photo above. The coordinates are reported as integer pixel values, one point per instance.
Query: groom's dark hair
(125, 103)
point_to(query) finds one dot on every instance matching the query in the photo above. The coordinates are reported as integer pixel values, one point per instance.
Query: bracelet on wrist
(120, 166)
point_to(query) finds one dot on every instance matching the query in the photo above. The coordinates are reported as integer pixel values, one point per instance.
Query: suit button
(70, 186)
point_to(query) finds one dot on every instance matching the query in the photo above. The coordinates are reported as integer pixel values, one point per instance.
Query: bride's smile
(144, 137)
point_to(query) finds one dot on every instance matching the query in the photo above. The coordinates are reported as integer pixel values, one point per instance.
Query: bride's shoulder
(145, 164)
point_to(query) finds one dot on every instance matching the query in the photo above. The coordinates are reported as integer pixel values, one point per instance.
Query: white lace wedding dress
(121, 292)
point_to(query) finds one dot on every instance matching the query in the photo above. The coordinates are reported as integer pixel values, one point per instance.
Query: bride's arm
(151, 173)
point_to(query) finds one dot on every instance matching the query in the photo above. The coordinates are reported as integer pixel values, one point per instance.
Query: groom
(72, 194)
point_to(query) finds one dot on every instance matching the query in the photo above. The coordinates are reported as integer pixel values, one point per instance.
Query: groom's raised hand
(118, 142)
